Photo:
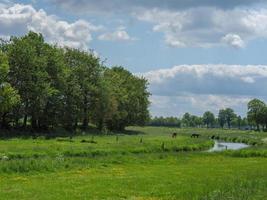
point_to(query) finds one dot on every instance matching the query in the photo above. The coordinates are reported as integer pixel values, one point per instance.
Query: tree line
(44, 86)
(256, 118)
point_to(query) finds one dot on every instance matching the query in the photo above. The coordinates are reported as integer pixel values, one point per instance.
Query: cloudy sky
(198, 55)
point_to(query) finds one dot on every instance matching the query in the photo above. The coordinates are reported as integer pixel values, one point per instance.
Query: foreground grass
(124, 168)
(147, 176)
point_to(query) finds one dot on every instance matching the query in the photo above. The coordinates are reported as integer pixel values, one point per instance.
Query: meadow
(145, 163)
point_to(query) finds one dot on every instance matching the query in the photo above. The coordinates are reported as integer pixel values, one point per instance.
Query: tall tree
(222, 117)
(66, 87)
(86, 68)
(28, 74)
(239, 122)
(52, 113)
(106, 104)
(130, 96)
(263, 117)
(208, 119)
(229, 116)
(186, 119)
(254, 114)
(8, 95)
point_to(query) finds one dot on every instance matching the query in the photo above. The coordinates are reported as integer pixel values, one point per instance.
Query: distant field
(148, 164)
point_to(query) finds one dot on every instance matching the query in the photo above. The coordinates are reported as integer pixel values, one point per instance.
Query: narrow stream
(221, 146)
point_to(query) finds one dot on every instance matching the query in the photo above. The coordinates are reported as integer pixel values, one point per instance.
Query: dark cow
(174, 135)
(195, 135)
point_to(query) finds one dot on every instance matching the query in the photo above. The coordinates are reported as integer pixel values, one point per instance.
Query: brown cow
(174, 135)
(195, 135)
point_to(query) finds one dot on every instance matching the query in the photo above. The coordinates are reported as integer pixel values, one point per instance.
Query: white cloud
(18, 19)
(233, 40)
(197, 88)
(207, 26)
(119, 35)
(242, 73)
(248, 79)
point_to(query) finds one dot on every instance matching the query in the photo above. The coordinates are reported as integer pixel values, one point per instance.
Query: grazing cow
(174, 135)
(195, 135)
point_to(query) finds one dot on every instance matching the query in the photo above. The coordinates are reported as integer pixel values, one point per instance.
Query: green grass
(127, 169)
(92, 145)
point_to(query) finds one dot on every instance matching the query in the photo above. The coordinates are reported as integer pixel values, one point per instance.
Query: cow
(195, 135)
(174, 135)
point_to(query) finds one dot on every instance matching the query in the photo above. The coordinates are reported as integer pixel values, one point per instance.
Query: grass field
(148, 164)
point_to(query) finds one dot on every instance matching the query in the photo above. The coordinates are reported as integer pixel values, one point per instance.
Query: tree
(186, 119)
(254, 114)
(130, 96)
(8, 95)
(168, 121)
(28, 62)
(222, 117)
(263, 117)
(208, 119)
(229, 116)
(86, 68)
(195, 121)
(239, 122)
(63, 87)
(52, 113)
(106, 105)
(4, 68)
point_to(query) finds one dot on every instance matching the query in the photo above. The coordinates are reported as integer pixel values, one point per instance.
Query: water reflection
(221, 146)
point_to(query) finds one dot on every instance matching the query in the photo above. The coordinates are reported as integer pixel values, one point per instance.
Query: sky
(197, 55)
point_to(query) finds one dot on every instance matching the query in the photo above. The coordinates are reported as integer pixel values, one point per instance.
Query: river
(221, 146)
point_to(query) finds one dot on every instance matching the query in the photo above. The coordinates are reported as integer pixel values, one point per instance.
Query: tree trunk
(100, 125)
(34, 122)
(3, 123)
(85, 114)
(85, 122)
(258, 127)
(25, 119)
(75, 124)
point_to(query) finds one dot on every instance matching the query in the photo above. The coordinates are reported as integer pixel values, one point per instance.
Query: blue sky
(198, 55)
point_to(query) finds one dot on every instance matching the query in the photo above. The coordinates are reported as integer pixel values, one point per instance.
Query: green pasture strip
(145, 176)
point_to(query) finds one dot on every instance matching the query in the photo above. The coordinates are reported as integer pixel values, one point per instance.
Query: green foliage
(208, 119)
(67, 88)
(167, 121)
(85, 70)
(222, 117)
(189, 120)
(129, 99)
(9, 97)
(227, 116)
(257, 113)
(4, 68)
(28, 62)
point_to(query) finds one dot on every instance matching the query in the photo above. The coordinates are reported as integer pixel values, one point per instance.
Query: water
(221, 146)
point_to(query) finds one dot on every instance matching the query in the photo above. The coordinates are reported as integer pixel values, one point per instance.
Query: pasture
(147, 163)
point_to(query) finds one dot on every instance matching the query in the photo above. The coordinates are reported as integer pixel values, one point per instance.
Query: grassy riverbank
(146, 165)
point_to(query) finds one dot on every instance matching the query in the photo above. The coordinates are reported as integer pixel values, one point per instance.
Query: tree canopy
(44, 86)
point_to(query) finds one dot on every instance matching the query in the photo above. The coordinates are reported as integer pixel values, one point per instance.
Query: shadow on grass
(127, 132)
(28, 133)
